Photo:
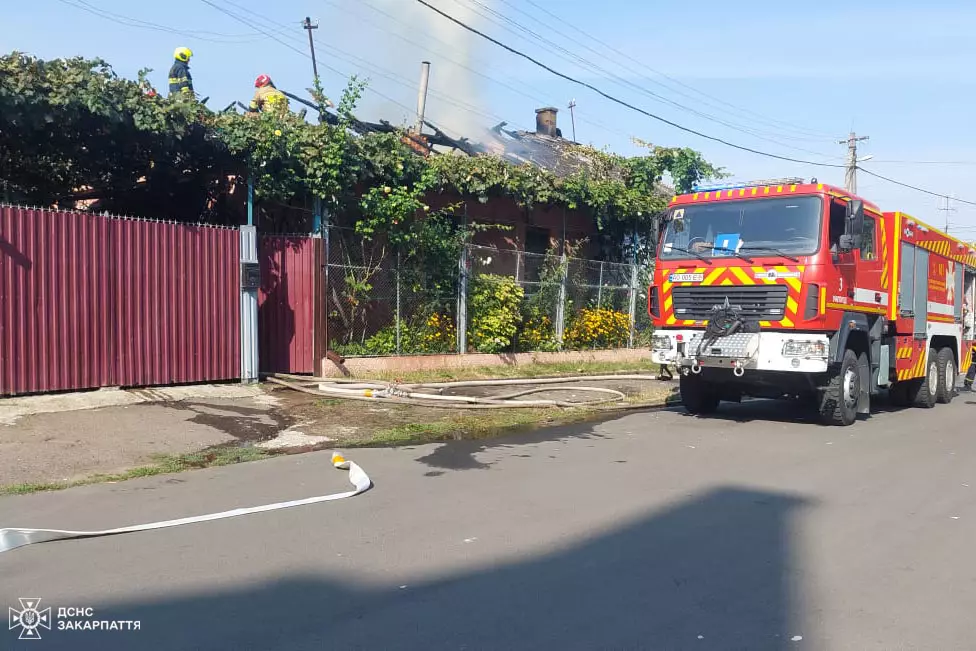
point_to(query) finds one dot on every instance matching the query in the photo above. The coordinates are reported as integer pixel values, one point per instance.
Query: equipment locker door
(921, 303)
(906, 280)
(868, 291)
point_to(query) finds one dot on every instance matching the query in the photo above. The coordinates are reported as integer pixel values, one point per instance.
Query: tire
(947, 375)
(697, 396)
(838, 405)
(924, 392)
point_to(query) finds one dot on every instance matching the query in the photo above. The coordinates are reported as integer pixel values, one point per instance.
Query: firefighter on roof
(180, 81)
(267, 97)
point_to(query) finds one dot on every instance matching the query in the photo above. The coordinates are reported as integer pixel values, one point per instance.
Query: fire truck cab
(787, 288)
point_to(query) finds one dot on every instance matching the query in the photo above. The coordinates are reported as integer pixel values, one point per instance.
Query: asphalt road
(650, 531)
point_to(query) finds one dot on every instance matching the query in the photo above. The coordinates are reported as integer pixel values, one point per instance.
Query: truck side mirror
(853, 226)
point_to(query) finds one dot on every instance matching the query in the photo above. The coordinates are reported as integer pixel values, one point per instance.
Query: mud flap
(864, 396)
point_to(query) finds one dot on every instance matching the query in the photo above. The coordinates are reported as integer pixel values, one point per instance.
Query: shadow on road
(718, 566)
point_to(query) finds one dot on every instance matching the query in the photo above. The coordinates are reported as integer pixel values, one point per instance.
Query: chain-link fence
(383, 301)
(388, 302)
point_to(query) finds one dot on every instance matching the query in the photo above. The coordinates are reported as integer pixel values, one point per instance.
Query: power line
(291, 47)
(914, 187)
(129, 21)
(566, 54)
(282, 30)
(520, 91)
(617, 100)
(772, 121)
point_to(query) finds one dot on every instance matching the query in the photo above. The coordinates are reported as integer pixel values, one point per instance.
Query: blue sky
(790, 80)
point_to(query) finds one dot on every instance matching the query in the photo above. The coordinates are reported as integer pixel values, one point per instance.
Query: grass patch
(163, 464)
(475, 425)
(556, 369)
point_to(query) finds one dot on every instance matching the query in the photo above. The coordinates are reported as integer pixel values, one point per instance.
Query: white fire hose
(430, 394)
(12, 538)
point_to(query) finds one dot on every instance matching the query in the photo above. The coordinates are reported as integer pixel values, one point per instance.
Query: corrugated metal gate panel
(286, 303)
(87, 301)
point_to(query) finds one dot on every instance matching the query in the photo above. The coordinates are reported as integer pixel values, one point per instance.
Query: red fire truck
(797, 289)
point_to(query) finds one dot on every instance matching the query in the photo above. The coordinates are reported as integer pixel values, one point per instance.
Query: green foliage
(598, 328)
(73, 128)
(495, 312)
(424, 335)
(537, 333)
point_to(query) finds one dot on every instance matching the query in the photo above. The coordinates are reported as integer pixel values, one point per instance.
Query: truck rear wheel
(697, 395)
(947, 375)
(924, 392)
(838, 406)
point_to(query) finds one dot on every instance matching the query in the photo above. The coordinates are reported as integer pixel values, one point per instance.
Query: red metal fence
(88, 301)
(290, 269)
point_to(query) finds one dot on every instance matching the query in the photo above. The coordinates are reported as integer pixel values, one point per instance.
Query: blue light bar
(709, 187)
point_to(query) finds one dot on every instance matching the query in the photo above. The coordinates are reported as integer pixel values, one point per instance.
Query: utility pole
(946, 209)
(422, 95)
(850, 178)
(572, 116)
(308, 26)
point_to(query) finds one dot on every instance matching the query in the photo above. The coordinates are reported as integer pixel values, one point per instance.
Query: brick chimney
(545, 122)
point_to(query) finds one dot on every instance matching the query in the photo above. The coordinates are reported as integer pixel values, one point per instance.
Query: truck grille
(762, 303)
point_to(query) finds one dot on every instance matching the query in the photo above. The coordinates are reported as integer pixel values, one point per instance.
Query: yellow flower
(277, 132)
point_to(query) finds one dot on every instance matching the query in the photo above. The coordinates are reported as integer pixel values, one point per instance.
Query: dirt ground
(66, 446)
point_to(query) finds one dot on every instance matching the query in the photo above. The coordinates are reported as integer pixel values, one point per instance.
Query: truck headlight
(660, 342)
(793, 348)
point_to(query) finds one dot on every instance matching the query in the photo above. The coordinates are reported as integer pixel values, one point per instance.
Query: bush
(435, 334)
(598, 328)
(495, 313)
(537, 334)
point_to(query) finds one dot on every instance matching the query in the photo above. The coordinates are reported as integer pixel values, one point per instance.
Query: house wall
(526, 229)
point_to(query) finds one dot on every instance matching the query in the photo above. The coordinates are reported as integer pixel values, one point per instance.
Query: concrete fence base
(355, 366)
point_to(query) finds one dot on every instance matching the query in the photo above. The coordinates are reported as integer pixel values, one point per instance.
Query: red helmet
(263, 80)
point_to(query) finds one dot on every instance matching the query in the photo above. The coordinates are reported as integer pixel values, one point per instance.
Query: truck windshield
(785, 226)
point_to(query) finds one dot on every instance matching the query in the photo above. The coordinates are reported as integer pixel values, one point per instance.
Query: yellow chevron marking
(713, 276)
(726, 282)
(765, 324)
(742, 276)
(671, 320)
(791, 305)
(786, 323)
(668, 302)
(792, 282)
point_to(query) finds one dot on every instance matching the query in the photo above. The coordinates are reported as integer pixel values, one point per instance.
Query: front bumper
(741, 352)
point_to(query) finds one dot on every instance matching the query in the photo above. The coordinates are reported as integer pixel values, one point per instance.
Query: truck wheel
(925, 391)
(697, 396)
(947, 375)
(838, 406)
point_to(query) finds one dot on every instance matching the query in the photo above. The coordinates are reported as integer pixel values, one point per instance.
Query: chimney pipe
(545, 121)
(422, 95)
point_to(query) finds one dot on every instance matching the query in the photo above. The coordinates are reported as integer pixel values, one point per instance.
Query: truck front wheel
(924, 392)
(698, 396)
(947, 375)
(838, 406)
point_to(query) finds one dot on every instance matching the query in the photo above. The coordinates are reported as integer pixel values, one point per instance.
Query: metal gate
(291, 321)
(90, 301)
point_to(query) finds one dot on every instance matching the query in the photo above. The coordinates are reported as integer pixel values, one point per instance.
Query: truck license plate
(686, 278)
